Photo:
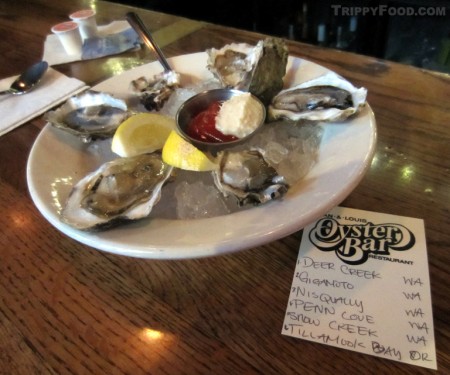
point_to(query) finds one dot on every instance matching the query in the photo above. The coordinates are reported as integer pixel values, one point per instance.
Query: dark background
(422, 41)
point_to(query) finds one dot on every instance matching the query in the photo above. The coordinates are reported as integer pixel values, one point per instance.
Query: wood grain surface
(66, 308)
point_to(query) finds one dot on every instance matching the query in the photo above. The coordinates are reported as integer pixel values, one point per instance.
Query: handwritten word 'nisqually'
(353, 243)
(328, 299)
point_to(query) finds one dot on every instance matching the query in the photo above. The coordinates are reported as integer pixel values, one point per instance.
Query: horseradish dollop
(239, 116)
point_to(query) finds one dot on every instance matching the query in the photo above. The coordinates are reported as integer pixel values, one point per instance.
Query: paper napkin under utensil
(54, 88)
(114, 38)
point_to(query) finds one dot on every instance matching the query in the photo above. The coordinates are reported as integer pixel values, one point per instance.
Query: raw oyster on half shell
(124, 189)
(248, 177)
(90, 115)
(234, 63)
(326, 98)
(153, 93)
(258, 69)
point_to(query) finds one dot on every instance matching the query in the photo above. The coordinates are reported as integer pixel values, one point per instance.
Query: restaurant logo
(354, 243)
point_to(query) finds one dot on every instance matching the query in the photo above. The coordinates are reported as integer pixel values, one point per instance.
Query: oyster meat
(326, 98)
(123, 189)
(155, 92)
(234, 63)
(258, 69)
(248, 177)
(90, 115)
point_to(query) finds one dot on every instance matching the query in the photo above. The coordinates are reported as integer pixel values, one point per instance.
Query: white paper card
(361, 283)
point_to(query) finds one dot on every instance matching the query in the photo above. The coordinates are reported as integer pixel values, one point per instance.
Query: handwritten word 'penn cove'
(354, 243)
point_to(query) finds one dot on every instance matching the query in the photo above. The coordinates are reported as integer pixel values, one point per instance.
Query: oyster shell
(155, 92)
(326, 98)
(90, 115)
(247, 176)
(267, 78)
(258, 69)
(123, 189)
(234, 63)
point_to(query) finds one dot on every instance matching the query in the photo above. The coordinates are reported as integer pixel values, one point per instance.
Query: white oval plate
(58, 160)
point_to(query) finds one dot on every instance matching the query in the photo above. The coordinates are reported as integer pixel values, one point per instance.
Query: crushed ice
(199, 200)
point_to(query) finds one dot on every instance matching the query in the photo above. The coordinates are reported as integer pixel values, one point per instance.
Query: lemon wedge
(142, 133)
(182, 154)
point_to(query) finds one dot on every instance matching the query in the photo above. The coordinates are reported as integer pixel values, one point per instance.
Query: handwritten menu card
(361, 283)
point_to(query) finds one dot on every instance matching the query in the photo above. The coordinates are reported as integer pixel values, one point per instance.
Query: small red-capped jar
(86, 21)
(69, 36)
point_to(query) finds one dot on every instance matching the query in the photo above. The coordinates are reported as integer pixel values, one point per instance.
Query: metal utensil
(138, 26)
(158, 90)
(27, 80)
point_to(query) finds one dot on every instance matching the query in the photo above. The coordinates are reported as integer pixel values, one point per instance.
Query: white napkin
(53, 89)
(54, 52)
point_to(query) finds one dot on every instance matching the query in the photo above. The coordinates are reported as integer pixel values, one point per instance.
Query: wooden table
(66, 308)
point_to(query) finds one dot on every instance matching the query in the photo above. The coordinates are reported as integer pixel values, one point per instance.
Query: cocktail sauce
(203, 126)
